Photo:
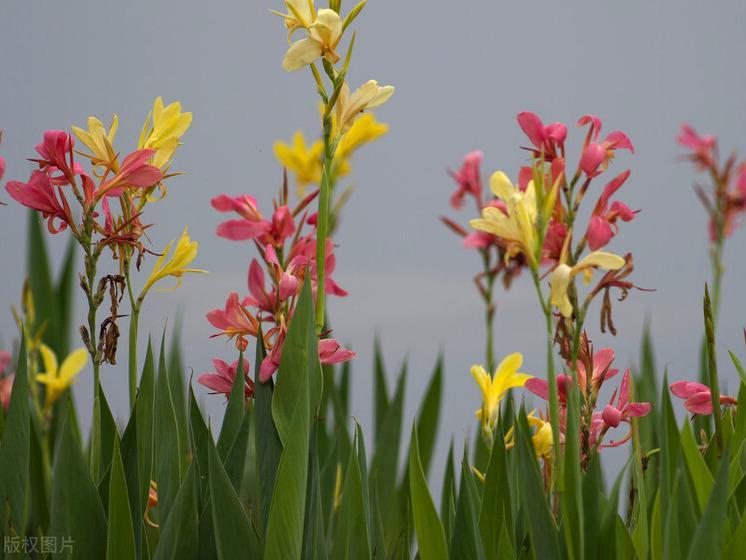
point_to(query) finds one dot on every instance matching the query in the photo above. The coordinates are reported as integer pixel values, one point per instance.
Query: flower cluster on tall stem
(129, 182)
(724, 199)
(323, 31)
(537, 218)
(496, 262)
(286, 244)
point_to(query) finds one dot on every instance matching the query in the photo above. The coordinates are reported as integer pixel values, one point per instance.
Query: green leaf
(699, 474)
(291, 410)
(168, 458)
(430, 535)
(314, 538)
(199, 438)
(14, 450)
(571, 500)
(351, 534)
(541, 526)
(380, 395)
(448, 496)
(40, 283)
(108, 433)
(128, 450)
(39, 479)
(429, 414)
(708, 538)
(178, 388)
(268, 446)
(385, 462)
(234, 536)
(236, 459)
(496, 505)
(65, 298)
(120, 540)
(234, 411)
(592, 492)
(641, 531)
(77, 515)
(466, 542)
(739, 367)
(145, 417)
(179, 536)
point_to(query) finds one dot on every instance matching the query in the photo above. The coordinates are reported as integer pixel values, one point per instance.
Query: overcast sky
(462, 72)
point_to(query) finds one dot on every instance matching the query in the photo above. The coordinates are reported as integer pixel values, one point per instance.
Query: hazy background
(462, 71)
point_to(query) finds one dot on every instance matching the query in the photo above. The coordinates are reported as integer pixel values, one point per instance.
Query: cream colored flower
(564, 274)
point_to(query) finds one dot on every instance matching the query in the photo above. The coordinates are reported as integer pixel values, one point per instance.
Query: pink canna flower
(306, 248)
(6, 388)
(540, 388)
(596, 155)
(221, 380)
(40, 194)
(252, 224)
(2, 167)
(56, 154)
(548, 140)
(698, 397)
(613, 415)
(602, 226)
(134, 172)
(234, 321)
(330, 352)
(469, 180)
(602, 370)
(702, 147)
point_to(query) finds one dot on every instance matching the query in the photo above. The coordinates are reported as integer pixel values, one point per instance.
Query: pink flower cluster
(49, 188)
(727, 201)
(287, 258)
(594, 369)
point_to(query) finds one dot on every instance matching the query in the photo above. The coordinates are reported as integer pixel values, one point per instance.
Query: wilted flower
(495, 387)
(221, 380)
(176, 264)
(698, 397)
(58, 379)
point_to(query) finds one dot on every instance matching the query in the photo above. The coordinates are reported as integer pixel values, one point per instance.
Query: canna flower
(221, 380)
(100, 143)
(349, 105)
(613, 415)
(163, 130)
(548, 141)
(58, 379)
(253, 225)
(596, 155)
(39, 194)
(56, 153)
(698, 397)
(541, 438)
(303, 161)
(603, 223)
(152, 503)
(601, 370)
(702, 147)
(469, 180)
(516, 223)
(330, 352)
(363, 130)
(324, 34)
(494, 389)
(234, 321)
(6, 379)
(563, 274)
(176, 264)
(135, 172)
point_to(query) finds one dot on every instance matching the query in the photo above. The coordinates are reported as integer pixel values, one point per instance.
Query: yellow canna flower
(301, 14)
(541, 438)
(302, 160)
(350, 105)
(163, 130)
(564, 274)
(494, 388)
(100, 143)
(57, 379)
(176, 265)
(517, 224)
(324, 34)
(363, 130)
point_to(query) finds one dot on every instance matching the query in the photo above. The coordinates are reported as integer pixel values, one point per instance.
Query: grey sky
(462, 70)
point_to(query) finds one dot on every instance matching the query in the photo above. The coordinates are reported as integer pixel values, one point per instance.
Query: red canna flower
(613, 415)
(469, 180)
(234, 321)
(698, 397)
(41, 195)
(596, 155)
(548, 140)
(252, 224)
(221, 380)
(603, 223)
(134, 172)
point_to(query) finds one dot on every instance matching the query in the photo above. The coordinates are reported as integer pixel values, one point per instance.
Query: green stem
(551, 374)
(322, 223)
(132, 364)
(489, 314)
